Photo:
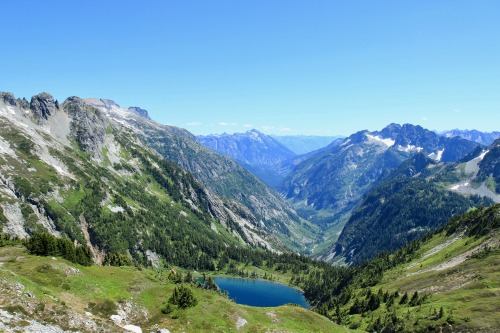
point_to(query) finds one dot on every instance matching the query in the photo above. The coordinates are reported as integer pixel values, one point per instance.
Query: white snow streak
(388, 142)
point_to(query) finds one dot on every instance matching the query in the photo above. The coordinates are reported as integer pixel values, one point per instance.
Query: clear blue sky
(283, 67)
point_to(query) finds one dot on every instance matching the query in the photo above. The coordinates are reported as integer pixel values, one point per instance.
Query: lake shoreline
(249, 278)
(260, 292)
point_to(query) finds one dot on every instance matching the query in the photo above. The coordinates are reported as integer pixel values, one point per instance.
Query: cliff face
(50, 152)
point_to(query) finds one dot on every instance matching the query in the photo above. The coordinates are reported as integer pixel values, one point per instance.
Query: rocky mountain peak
(390, 130)
(42, 106)
(8, 98)
(357, 137)
(139, 111)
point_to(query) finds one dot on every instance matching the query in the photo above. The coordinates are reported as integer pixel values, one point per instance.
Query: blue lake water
(260, 293)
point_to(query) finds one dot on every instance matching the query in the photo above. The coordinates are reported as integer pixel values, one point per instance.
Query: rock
(42, 106)
(8, 98)
(241, 322)
(23, 103)
(88, 314)
(154, 258)
(116, 319)
(141, 112)
(163, 330)
(133, 328)
(88, 124)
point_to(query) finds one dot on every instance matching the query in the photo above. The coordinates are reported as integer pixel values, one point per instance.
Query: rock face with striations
(42, 106)
(88, 124)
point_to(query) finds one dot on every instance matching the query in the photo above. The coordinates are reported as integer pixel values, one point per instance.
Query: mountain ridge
(360, 160)
(254, 212)
(258, 153)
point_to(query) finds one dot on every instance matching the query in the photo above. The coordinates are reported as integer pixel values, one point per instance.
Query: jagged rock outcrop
(8, 98)
(42, 106)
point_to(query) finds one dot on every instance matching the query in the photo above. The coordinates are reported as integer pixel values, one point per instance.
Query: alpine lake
(261, 293)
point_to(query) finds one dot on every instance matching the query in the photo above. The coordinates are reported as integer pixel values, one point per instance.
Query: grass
(58, 284)
(469, 292)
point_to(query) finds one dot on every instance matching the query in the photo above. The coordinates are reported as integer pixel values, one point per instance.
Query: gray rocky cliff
(42, 106)
(8, 98)
(88, 124)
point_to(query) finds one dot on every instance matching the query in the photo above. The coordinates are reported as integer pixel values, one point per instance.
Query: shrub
(183, 297)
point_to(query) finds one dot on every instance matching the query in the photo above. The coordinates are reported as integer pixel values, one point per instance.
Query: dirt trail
(436, 249)
(458, 259)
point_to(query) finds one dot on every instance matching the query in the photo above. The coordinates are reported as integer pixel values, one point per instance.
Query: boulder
(116, 319)
(132, 328)
(163, 330)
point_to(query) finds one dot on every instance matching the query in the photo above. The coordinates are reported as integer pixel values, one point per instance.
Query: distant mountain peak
(485, 138)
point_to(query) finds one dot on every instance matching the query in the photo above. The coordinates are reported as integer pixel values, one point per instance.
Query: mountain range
(473, 135)
(260, 154)
(303, 144)
(59, 158)
(126, 190)
(325, 189)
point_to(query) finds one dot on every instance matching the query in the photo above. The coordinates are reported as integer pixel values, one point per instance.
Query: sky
(282, 67)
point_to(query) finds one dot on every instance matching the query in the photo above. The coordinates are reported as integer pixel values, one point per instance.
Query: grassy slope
(468, 291)
(59, 284)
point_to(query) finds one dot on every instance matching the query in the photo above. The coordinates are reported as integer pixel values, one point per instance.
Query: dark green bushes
(183, 297)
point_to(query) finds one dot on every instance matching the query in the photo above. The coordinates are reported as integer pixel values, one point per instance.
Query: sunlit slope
(451, 284)
(40, 292)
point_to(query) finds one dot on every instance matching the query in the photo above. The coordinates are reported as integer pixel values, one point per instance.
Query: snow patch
(436, 156)
(388, 142)
(410, 148)
(345, 142)
(483, 154)
(440, 154)
(456, 187)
